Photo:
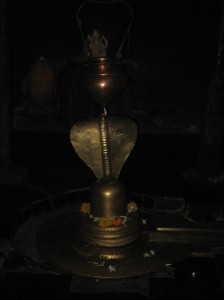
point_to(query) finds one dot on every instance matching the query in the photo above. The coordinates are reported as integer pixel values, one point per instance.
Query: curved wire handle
(127, 34)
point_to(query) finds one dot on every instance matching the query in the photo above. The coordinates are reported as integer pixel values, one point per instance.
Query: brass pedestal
(111, 236)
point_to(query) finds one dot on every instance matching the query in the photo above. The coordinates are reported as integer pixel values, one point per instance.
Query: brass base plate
(52, 240)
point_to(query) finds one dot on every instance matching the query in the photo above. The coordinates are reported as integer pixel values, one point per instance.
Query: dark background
(174, 43)
(173, 50)
(173, 53)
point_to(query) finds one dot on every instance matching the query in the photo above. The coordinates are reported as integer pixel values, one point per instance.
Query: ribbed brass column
(105, 148)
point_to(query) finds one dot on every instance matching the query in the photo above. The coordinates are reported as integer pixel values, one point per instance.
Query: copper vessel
(103, 79)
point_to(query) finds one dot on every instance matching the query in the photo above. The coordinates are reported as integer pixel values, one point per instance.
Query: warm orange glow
(102, 84)
(102, 67)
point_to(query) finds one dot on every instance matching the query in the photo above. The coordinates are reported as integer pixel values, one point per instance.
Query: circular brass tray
(52, 240)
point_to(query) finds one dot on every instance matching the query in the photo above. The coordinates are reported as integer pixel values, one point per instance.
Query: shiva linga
(104, 144)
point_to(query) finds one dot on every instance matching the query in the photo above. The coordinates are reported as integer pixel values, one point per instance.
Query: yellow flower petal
(132, 207)
(85, 208)
(105, 222)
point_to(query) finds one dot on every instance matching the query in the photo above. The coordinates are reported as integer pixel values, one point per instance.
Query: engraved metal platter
(51, 239)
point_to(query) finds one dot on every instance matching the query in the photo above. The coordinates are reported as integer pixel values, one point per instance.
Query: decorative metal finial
(94, 44)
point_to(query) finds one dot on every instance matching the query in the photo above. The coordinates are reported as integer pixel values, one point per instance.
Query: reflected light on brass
(102, 84)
